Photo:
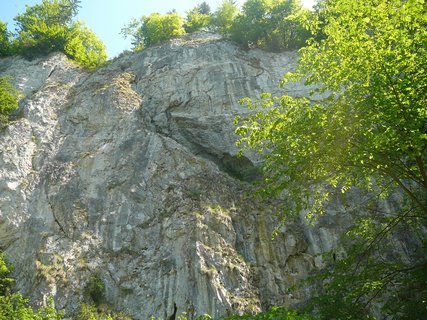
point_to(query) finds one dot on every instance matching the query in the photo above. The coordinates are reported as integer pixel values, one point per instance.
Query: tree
(84, 47)
(204, 8)
(251, 26)
(8, 102)
(224, 16)
(50, 27)
(271, 25)
(153, 29)
(368, 60)
(43, 28)
(157, 28)
(51, 12)
(6, 48)
(198, 18)
(289, 18)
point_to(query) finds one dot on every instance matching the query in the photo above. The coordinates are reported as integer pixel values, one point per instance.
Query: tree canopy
(368, 60)
(271, 25)
(50, 27)
(224, 16)
(5, 40)
(14, 306)
(198, 18)
(84, 47)
(153, 29)
(266, 24)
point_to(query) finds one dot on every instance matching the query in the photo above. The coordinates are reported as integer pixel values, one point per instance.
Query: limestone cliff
(130, 173)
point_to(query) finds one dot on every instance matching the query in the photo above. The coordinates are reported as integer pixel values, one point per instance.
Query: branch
(422, 170)
(407, 191)
(379, 236)
(391, 276)
(406, 170)
(399, 182)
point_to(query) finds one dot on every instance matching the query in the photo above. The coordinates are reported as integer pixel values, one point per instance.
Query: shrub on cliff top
(153, 29)
(50, 27)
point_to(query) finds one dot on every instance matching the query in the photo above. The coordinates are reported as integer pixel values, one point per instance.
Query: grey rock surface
(130, 174)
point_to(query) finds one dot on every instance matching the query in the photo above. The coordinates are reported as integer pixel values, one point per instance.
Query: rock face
(130, 174)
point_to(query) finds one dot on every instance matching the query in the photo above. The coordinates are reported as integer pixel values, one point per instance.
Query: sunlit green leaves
(371, 124)
(42, 28)
(84, 47)
(198, 18)
(49, 27)
(15, 307)
(271, 25)
(6, 47)
(153, 29)
(224, 16)
(6, 280)
(8, 99)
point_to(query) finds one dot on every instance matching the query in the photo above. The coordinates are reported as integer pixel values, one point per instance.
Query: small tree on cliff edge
(50, 27)
(271, 25)
(153, 29)
(224, 16)
(198, 18)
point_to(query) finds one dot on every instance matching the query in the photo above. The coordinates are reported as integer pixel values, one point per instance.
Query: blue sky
(107, 18)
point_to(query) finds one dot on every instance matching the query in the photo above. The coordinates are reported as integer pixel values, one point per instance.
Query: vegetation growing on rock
(50, 27)
(155, 28)
(223, 17)
(270, 25)
(198, 18)
(8, 100)
(14, 306)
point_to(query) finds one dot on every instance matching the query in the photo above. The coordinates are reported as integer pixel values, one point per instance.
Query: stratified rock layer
(130, 174)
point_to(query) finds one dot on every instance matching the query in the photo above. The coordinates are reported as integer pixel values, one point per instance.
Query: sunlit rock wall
(130, 174)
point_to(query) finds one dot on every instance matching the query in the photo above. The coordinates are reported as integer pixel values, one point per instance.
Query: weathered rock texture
(130, 174)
